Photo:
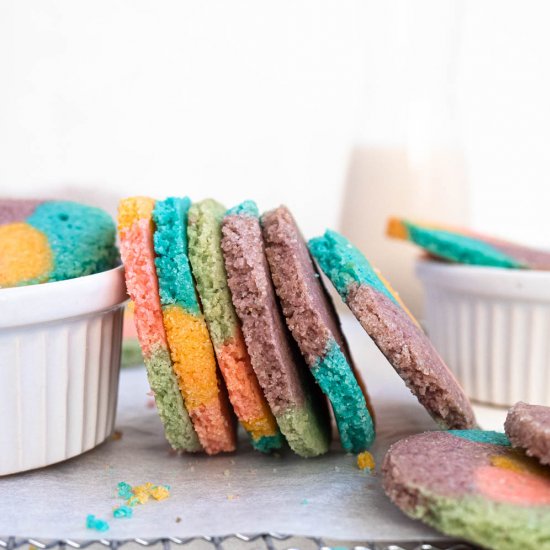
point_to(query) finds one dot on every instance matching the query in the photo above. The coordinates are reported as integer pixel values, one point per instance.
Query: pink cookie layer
(136, 248)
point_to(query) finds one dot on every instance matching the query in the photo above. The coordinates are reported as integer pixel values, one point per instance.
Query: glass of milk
(408, 159)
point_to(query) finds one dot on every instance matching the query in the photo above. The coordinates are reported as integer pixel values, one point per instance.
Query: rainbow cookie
(43, 241)
(528, 427)
(245, 393)
(471, 484)
(292, 396)
(313, 322)
(394, 330)
(135, 227)
(188, 339)
(468, 247)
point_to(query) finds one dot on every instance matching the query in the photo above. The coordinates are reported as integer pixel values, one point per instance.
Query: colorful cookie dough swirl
(313, 322)
(393, 329)
(468, 247)
(42, 241)
(135, 227)
(285, 379)
(471, 484)
(245, 393)
(188, 339)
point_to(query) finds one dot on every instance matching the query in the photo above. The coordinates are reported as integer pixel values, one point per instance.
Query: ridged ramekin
(59, 365)
(492, 327)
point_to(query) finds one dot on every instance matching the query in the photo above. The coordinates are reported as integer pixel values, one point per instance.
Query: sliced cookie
(313, 322)
(135, 227)
(188, 339)
(43, 241)
(471, 484)
(528, 427)
(300, 412)
(394, 330)
(467, 247)
(245, 393)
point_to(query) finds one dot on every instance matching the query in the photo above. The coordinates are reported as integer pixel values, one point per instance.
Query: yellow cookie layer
(261, 427)
(395, 294)
(24, 254)
(133, 209)
(192, 355)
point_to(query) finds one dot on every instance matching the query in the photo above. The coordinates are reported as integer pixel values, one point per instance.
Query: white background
(251, 99)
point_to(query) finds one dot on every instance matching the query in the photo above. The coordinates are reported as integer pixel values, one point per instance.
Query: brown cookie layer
(528, 427)
(274, 360)
(413, 356)
(17, 210)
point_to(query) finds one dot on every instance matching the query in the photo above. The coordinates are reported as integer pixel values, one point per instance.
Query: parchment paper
(245, 492)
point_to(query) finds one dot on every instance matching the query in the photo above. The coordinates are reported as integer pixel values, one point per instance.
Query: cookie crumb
(124, 490)
(122, 512)
(95, 523)
(365, 461)
(117, 435)
(178, 520)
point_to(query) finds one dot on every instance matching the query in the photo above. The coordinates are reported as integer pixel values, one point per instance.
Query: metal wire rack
(266, 541)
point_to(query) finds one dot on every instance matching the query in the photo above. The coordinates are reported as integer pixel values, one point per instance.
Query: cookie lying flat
(467, 247)
(245, 393)
(299, 410)
(313, 322)
(188, 339)
(136, 246)
(471, 484)
(43, 241)
(393, 329)
(528, 427)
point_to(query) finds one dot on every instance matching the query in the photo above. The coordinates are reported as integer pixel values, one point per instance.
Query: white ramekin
(59, 365)
(492, 327)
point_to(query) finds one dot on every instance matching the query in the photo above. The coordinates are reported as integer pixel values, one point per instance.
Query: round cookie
(394, 330)
(312, 320)
(135, 227)
(190, 347)
(299, 409)
(245, 393)
(42, 241)
(471, 484)
(528, 427)
(467, 247)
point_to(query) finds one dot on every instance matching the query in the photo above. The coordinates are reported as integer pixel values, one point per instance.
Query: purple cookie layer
(528, 427)
(17, 210)
(413, 356)
(418, 463)
(277, 363)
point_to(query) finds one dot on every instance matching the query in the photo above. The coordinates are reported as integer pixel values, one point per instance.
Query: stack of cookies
(235, 323)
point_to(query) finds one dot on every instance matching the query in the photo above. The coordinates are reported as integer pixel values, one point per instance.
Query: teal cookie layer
(344, 264)
(482, 436)
(178, 428)
(246, 208)
(81, 237)
(268, 443)
(459, 248)
(176, 286)
(335, 376)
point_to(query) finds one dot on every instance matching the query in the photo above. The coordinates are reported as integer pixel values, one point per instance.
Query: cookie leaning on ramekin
(135, 226)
